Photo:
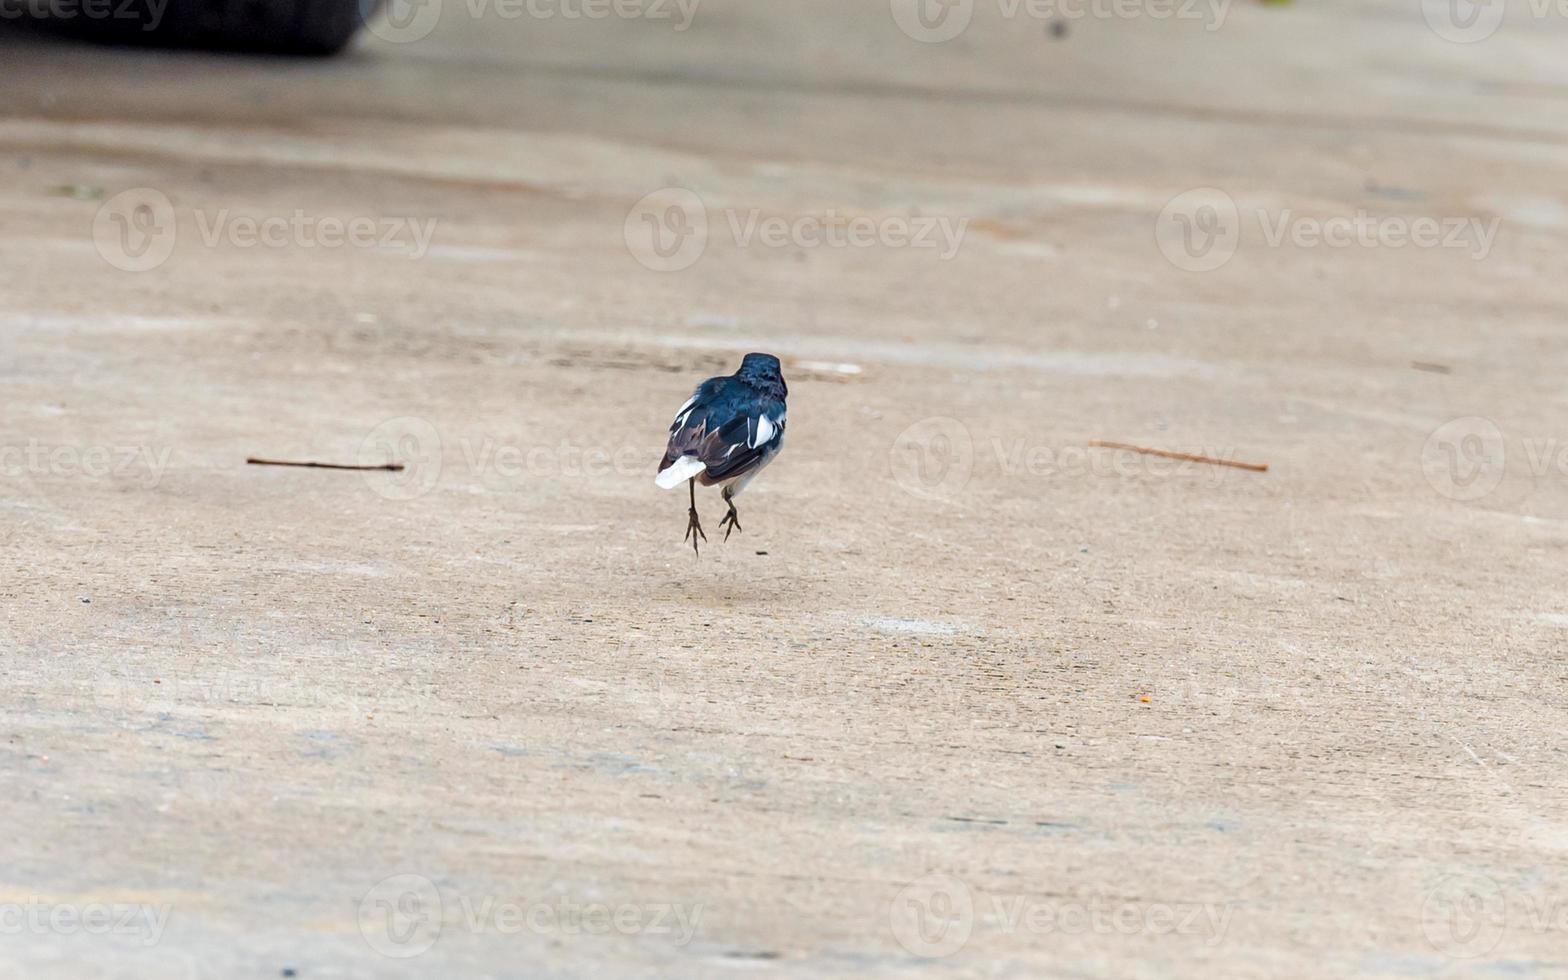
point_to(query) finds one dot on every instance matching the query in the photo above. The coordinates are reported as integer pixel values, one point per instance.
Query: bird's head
(762, 370)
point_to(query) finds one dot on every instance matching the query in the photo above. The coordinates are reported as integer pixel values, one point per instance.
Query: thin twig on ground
(388, 467)
(1189, 457)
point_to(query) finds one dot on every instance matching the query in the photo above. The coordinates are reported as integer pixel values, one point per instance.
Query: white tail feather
(679, 472)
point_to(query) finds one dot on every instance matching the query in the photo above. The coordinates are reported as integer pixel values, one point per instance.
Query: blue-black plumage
(728, 430)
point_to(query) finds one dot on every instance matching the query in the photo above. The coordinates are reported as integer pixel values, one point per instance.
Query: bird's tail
(679, 472)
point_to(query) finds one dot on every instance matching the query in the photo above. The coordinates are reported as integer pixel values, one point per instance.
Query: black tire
(290, 27)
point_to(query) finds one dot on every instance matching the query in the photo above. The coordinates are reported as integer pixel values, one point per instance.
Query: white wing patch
(682, 414)
(765, 431)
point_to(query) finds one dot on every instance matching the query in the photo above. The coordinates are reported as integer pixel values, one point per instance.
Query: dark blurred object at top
(294, 27)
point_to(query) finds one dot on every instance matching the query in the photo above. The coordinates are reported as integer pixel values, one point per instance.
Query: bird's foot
(733, 520)
(694, 530)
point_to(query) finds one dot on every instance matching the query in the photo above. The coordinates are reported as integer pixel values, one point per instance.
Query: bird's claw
(694, 530)
(731, 519)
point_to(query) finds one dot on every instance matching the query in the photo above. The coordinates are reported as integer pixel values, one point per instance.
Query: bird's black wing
(744, 441)
(692, 423)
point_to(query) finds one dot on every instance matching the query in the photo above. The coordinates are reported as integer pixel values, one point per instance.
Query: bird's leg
(693, 525)
(732, 518)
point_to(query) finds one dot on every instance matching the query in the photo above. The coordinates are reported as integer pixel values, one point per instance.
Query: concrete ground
(966, 696)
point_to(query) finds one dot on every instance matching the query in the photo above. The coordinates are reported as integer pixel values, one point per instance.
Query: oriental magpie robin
(728, 430)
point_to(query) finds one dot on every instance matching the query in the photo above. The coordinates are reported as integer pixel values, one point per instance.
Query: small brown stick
(388, 467)
(1254, 467)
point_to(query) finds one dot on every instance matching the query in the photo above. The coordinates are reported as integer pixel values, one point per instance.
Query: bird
(726, 432)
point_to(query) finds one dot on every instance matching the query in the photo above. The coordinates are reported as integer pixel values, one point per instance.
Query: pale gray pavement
(1111, 716)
